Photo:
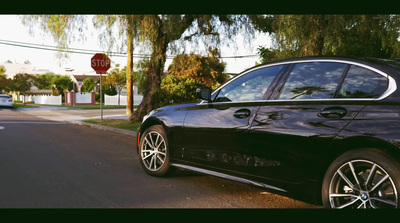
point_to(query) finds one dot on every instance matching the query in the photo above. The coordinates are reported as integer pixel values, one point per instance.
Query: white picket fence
(113, 100)
(80, 98)
(83, 98)
(45, 99)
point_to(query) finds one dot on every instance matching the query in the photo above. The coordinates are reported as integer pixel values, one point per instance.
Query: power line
(90, 52)
(42, 45)
(65, 50)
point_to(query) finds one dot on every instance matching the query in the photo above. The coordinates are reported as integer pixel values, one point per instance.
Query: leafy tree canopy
(44, 81)
(55, 82)
(189, 72)
(61, 83)
(116, 77)
(159, 33)
(2, 70)
(22, 83)
(329, 35)
(88, 85)
(4, 81)
(62, 28)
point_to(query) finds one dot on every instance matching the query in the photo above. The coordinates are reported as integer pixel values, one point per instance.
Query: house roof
(82, 77)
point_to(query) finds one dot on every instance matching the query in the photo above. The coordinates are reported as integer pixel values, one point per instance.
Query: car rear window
(363, 83)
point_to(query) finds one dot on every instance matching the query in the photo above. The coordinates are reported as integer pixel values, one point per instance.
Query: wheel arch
(341, 146)
(151, 121)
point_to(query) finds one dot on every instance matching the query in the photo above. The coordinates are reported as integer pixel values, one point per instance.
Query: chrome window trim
(299, 100)
(329, 99)
(392, 86)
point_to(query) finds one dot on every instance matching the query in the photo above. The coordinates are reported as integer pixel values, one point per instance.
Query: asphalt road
(50, 163)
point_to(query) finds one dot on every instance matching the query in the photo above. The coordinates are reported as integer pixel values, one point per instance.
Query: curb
(106, 128)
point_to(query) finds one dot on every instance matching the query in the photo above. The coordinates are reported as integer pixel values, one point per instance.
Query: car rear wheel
(363, 178)
(154, 151)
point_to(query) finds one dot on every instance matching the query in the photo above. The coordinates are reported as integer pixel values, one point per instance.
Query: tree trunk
(129, 84)
(321, 24)
(154, 73)
(119, 97)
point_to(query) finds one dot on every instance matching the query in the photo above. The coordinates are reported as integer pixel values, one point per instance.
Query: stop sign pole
(100, 63)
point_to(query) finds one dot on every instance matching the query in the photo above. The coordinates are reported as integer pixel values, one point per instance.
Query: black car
(322, 129)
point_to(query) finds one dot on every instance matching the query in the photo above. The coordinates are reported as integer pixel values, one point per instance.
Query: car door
(312, 104)
(215, 132)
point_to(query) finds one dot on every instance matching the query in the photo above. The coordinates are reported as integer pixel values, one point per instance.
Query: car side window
(249, 87)
(363, 83)
(317, 80)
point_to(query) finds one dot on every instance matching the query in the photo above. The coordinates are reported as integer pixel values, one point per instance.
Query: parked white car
(6, 100)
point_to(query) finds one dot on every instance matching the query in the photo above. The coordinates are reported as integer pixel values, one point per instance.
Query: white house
(21, 68)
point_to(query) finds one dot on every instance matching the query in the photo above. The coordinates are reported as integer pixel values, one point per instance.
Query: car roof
(391, 66)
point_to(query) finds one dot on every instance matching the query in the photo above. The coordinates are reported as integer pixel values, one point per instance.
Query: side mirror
(203, 93)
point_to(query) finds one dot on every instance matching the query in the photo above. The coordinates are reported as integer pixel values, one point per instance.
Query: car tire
(154, 151)
(362, 178)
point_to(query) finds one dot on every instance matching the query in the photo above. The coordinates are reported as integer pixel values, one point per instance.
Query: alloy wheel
(153, 151)
(362, 184)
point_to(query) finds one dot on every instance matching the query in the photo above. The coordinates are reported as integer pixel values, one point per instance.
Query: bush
(189, 72)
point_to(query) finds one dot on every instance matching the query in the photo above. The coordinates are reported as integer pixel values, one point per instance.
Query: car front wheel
(363, 178)
(154, 151)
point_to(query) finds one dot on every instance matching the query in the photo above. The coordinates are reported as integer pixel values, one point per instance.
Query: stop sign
(100, 63)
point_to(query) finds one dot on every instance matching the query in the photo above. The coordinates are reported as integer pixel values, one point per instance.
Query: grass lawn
(116, 123)
(96, 106)
(20, 105)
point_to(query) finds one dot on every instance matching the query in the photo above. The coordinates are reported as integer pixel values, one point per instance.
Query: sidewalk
(76, 116)
(106, 128)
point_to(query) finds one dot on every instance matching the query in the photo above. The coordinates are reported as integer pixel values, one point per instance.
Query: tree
(128, 29)
(163, 31)
(22, 83)
(189, 72)
(109, 89)
(4, 81)
(44, 81)
(116, 78)
(330, 35)
(88, 85)
(158, 31)
(61, 83)
(2, 70)
(63, 29)
(54, 82)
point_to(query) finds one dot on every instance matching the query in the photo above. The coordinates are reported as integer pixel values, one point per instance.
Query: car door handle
(242, 113)
(333, 112)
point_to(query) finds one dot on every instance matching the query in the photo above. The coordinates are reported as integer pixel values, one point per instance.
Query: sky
(12, 29)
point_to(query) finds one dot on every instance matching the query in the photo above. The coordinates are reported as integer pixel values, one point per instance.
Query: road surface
(50, 163)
